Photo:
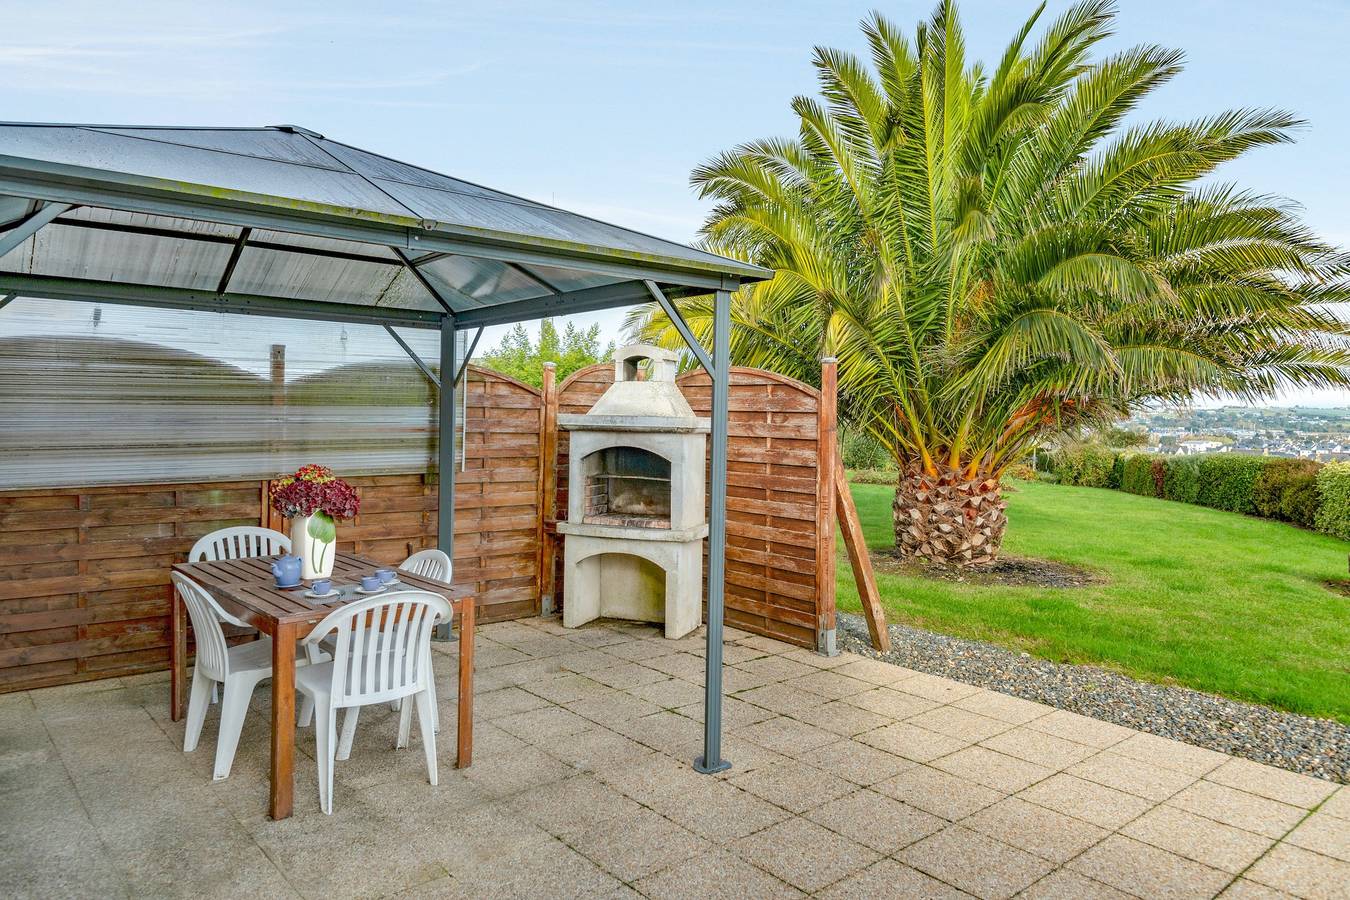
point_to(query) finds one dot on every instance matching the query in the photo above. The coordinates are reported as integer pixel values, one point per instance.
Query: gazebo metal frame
(458, 256)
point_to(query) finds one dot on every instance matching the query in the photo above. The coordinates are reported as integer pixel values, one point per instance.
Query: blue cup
(371, 582)
(385, 575)
(321, 585)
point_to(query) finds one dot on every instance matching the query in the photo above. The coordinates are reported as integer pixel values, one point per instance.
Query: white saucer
(313, 596)
(361, 590)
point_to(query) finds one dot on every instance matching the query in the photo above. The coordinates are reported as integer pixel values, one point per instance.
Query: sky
(605, 108)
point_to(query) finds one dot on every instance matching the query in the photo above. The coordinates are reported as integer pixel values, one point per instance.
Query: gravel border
(1319, 747)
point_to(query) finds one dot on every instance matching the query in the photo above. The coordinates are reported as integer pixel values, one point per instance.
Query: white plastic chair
(435, 564)
(239, 669)
(383, 654)
(429, 564)
(241, 542)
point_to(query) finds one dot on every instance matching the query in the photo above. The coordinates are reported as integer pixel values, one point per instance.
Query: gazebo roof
(281, 220)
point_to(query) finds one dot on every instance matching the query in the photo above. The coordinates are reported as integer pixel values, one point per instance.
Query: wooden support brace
(858, 557)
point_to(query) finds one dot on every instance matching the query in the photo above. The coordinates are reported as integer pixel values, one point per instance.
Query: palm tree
(995, 258)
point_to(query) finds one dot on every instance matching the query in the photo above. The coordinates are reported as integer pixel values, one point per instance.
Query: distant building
(1199, 445)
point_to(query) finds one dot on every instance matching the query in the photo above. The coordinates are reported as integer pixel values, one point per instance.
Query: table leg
(177, 656)
(464, 733)
(283, 721)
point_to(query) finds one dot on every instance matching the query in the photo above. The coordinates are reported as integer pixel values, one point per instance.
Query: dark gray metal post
(445, 451)
(711, 760)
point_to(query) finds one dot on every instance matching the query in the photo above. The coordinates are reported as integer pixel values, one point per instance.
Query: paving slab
(804, 854)
(1302, 873)
(1147, 871)
(877, 821)
(1272, 783)
(975, 863)
(1196, 837)
(1035, 829)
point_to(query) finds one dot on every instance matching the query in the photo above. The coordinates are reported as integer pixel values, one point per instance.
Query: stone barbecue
(633, 545)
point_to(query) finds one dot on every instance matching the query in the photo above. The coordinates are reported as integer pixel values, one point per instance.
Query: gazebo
(281, 221)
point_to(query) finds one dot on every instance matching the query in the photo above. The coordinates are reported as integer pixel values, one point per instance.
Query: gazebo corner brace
(30, 225)
(412, 354)
(682, 327)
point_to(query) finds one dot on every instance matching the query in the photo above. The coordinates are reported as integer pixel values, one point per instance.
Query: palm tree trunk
(947, 518)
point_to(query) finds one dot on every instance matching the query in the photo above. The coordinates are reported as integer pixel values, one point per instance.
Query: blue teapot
(287, 570)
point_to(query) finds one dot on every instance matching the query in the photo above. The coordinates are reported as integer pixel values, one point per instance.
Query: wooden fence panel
(777, 497)
(84, 574)
(498, 496)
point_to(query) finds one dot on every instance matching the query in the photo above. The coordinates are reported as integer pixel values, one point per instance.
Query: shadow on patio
(850, 777)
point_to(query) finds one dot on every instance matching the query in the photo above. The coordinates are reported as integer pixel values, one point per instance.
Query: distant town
(1303, 432)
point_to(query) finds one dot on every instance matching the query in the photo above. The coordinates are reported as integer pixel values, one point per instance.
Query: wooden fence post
(827, 451)
(548, 489)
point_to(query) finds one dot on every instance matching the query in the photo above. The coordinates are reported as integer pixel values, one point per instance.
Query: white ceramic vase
(316, 554)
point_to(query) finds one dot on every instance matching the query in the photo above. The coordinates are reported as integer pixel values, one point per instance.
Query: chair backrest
(429, 564)
(240, 542)
(383, 645)
(213, 656)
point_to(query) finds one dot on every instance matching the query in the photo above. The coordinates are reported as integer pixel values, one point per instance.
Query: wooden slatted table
(245, 588)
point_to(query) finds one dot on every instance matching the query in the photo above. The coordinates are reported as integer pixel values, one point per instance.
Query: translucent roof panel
(480, 279)
(568, 279)
(244, 170)
(70, 251)
(276, 273)
(323, 244)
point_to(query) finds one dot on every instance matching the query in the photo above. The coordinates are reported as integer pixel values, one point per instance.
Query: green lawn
(1212, 600)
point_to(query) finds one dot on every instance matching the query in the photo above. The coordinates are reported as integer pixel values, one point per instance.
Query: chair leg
(426, 717)
(197, 704)
(215, 698)
(306, 711)
(435, 707)
(404, 725)
(324, 739)
(233, 708)
(344, 749)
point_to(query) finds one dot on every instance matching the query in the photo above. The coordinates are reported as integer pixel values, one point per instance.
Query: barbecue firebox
(635, 511)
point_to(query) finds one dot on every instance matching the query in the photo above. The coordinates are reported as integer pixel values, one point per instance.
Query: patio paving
(850, 778)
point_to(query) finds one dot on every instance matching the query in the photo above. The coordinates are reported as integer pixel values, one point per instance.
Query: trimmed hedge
(1182, 479)
(1138, 476)
(861, 450)
(1117, 472)
(1086, 465)
(1333, 504)
(1226, 481)
(1286, 489)
(1300, 491)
